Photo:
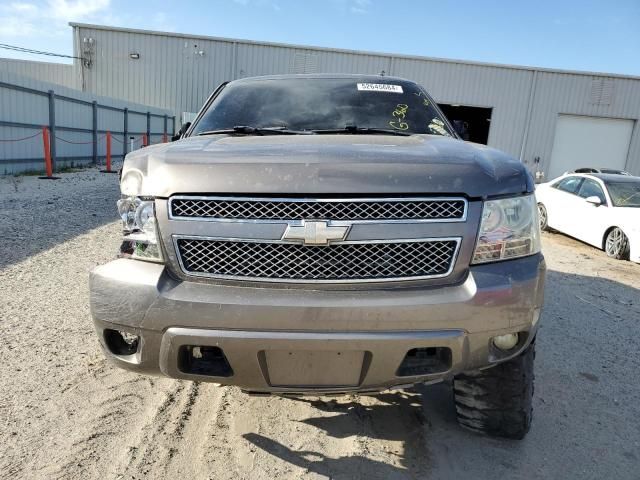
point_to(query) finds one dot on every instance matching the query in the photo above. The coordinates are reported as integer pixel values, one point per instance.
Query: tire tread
(497, 401)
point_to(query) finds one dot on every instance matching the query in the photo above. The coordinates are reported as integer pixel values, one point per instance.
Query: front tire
(497, 401)
(616, 244)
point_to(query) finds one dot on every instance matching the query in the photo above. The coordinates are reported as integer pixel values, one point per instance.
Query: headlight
(509, 229)
(140, 229)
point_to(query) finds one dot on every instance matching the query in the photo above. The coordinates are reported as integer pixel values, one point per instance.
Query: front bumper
(271, 336)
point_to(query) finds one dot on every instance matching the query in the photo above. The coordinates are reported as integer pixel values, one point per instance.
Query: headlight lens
(140, 229)
(509, 229)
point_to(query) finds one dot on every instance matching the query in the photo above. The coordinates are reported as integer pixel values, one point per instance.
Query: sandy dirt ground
(66, 413)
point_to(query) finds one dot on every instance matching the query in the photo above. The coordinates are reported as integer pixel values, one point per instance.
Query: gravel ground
(66, 413)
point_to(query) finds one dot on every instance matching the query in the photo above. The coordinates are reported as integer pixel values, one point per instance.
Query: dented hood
(322, 164)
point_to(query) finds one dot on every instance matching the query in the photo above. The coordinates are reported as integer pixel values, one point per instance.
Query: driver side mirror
(181, 132)
(594, 200)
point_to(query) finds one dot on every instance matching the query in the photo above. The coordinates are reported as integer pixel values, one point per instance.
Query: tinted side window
(589, 188)
(569, 184)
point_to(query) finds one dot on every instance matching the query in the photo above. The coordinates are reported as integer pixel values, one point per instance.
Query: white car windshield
(625, 194)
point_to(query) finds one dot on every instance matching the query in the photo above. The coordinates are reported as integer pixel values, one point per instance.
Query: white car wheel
(543, 217)
(617, 244)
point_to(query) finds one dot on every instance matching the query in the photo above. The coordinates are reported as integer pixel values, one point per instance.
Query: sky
(598, 36)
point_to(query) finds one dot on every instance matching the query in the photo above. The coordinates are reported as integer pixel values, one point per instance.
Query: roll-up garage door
(589, 142)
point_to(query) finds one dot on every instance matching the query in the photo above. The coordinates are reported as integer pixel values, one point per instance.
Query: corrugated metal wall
(59, 73)
(179, 71)
(21, 147)
(563, 93)
(170, 72)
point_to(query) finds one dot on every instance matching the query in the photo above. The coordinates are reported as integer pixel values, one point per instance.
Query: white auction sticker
(379, 87)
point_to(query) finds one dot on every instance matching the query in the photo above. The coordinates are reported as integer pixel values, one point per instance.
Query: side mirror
(181, 132)
(594, 200)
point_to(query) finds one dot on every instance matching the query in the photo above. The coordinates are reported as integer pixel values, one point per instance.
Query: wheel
(543, 217)
(616, 244)
(497, 401)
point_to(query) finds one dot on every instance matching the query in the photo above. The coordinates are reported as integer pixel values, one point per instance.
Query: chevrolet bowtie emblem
(315, 232)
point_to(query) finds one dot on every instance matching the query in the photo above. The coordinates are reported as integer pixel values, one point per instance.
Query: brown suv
(327, 234)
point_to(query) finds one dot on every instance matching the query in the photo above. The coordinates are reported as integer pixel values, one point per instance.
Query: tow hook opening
(203, 360)
(425, 361)
(121, 343)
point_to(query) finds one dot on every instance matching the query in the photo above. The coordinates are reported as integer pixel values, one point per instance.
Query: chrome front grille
(347, 261)
(370, 209)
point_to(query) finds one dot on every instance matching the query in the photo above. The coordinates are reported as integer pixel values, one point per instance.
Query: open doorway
(472, 123)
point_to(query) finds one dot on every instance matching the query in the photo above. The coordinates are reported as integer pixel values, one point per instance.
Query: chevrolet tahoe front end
(324, 261)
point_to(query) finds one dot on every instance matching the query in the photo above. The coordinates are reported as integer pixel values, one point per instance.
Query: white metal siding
(169, 72)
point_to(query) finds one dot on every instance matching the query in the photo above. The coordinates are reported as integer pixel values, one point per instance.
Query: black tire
(616, 244)
(497, 401)
(543, 217)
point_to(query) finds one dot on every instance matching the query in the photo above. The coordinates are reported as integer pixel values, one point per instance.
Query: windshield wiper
(349, 129)
(248, 130)
(355, 130)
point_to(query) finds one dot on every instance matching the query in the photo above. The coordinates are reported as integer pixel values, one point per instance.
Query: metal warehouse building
(552, 120)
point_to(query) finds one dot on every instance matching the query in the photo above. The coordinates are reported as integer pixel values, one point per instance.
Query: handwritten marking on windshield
(399, 114)
(425, 100)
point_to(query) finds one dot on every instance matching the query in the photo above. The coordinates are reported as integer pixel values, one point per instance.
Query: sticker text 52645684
(379, 87)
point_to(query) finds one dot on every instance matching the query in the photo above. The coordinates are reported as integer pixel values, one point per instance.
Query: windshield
(625, 194)
(324, 104)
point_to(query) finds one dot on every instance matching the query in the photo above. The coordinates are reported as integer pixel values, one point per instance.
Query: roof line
(23, 60)
(359, 52)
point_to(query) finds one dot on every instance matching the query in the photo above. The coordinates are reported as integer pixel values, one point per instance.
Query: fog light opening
(120, 342)
(425, 361)
(506, 342)
(203, 360)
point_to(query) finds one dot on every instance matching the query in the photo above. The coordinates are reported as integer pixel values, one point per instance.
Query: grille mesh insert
(284, 261)
(334, 210)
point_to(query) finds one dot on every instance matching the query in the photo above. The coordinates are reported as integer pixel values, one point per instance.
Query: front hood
(327, 164)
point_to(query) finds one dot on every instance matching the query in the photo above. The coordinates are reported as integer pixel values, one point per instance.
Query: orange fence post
(108, 151)
(165, 138)
(145, 140)
(46, 146)
(108, 154)
(47, 152)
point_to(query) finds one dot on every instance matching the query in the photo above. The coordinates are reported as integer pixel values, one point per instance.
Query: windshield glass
(625, 194)
(324, 104)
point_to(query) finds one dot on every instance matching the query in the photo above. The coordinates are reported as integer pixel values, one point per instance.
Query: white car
(600, 209)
